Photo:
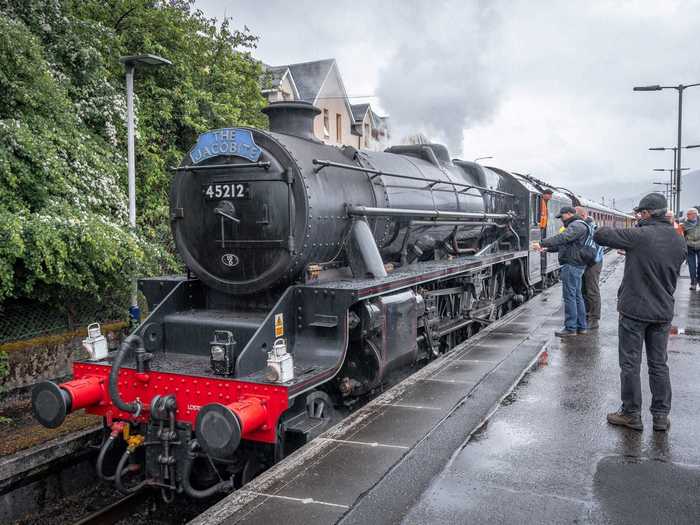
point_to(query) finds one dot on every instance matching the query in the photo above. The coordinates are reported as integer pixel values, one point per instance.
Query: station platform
(456, 443)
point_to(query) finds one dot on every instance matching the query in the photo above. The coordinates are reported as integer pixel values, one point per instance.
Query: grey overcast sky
(543, 87)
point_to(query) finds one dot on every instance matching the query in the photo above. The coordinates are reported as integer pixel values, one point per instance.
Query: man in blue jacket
(568, 244)
(654, 254)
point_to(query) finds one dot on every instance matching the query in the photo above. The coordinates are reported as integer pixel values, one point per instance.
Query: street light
(667, 188)
(130, 63)
(680, 88)
(481, 158)
(672, 184)
(675, 150)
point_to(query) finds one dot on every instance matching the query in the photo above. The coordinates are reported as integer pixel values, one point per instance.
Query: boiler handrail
(368, 211)
(377, 173)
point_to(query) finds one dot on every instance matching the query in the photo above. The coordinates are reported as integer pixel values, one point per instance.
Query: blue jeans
(693, 256)
(574, 307)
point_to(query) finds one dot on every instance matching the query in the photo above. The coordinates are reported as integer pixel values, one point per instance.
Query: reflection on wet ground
(548, 455)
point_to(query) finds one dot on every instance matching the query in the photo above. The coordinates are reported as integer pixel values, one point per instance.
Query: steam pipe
(121, 470)
(99, 466)
(221, 486)
(130, 343)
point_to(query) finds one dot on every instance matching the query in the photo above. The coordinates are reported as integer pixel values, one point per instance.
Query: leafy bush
(63, 209)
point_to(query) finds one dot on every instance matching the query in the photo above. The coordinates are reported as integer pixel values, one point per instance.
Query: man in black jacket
(654, 254)
(568, 244)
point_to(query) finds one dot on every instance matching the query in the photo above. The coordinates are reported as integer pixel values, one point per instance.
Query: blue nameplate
(227, 141)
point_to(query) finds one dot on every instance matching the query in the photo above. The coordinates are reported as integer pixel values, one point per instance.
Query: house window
(338, 128)
(326, 124)
(366, 134)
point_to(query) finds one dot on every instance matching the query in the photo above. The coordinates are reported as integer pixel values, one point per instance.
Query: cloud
(544, 87)
(442, 78)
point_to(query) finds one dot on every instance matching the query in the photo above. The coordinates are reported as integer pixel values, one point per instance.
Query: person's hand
(537, 247)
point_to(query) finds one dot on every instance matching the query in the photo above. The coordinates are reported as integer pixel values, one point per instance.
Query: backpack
(591, 252)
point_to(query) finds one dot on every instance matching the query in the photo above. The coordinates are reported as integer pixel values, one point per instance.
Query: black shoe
(625, 420)
(693, 285)
(662, 422)
(593, 324)
(565, 333)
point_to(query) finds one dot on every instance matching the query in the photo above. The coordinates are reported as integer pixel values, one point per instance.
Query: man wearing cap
(654, 254)
(568, 244)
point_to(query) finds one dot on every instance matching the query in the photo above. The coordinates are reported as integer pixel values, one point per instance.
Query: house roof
(276, 73)
(359, 111)
(309, 77)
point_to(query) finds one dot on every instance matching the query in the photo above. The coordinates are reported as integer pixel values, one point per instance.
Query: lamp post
(672, 191)
(481, 158)
(667, 188)
(675, 165)
(130, 63)
(680, 88)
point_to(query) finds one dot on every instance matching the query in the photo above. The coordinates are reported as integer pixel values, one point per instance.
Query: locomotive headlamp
(222, 355)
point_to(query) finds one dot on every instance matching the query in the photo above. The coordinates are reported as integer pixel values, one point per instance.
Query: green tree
(63, 213)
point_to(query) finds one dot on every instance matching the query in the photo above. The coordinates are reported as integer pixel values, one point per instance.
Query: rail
(116, 511)
(320, 164)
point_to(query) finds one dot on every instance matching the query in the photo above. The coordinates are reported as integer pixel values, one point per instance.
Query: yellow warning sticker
(279, 325)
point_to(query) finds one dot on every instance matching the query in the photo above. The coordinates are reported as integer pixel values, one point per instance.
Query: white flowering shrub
(64, 233)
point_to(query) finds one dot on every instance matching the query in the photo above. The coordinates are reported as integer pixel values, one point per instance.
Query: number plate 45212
(226, 190)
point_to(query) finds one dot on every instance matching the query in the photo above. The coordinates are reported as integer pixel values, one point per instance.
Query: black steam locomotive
(314, 272)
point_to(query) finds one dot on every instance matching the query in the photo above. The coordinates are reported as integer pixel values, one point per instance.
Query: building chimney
(293, 118)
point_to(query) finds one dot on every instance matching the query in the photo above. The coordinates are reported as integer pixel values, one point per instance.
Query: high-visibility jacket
(543, 214)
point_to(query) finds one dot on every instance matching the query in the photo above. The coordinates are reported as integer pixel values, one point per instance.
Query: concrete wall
(48, 357)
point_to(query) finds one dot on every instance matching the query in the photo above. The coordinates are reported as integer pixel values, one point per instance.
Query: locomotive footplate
(412, 275)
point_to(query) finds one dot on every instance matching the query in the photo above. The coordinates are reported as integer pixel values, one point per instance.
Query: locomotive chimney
(293, 118)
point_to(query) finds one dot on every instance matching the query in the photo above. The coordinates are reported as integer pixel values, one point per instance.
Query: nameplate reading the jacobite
(227, 141)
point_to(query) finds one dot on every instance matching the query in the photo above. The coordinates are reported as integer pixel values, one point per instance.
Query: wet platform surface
(550, 457)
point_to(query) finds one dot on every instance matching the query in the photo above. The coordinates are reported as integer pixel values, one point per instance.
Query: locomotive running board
(319, 348)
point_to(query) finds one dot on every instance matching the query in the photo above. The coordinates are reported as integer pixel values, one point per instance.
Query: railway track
(116, 511)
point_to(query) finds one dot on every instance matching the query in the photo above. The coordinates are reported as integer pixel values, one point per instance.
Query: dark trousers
(574, 308)
(633, 335)
(693, 264)
(591, 290)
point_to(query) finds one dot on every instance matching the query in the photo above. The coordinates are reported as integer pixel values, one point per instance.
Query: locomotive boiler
(313, 272)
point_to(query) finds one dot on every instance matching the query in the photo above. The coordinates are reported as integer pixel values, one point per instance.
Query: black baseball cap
(547, 190)
(566, 209)
(652, 201)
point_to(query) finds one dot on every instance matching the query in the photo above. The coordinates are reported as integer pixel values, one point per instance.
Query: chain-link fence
(24, 319)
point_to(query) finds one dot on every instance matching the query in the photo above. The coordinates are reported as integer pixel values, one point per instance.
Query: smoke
(443, 76)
